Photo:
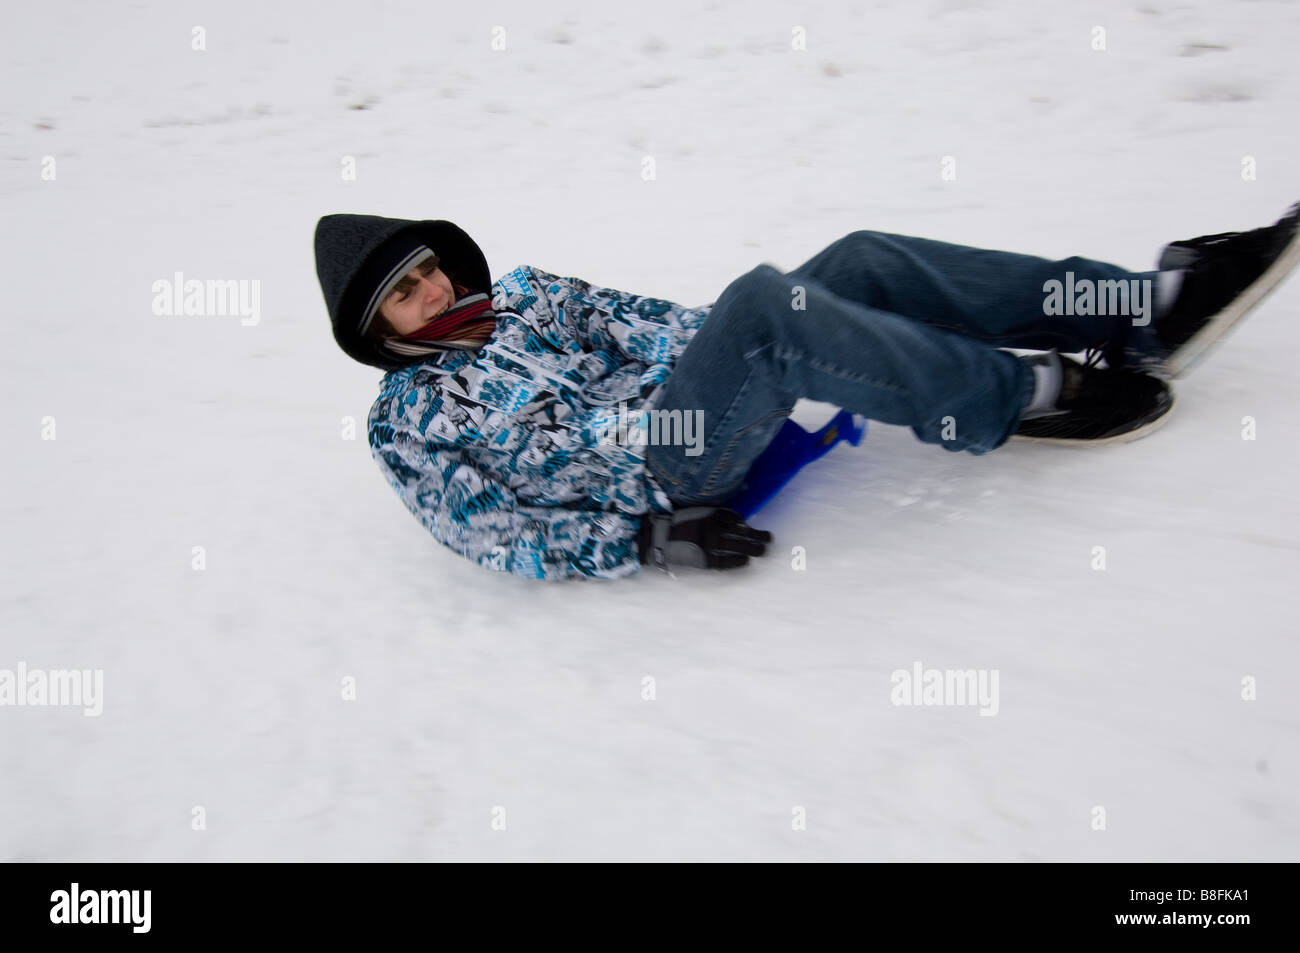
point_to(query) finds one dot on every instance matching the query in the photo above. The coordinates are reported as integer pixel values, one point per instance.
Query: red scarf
(467, 324)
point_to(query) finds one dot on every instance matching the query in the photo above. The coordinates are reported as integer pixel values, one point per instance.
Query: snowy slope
(1118, 688)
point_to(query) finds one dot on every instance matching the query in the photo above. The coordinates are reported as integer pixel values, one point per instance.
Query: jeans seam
(708, 488)
(1008, 340)
(836, 371)
(712, 443)
(713, 472)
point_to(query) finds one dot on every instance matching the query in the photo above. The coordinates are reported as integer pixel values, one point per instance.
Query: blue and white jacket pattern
(506, 456)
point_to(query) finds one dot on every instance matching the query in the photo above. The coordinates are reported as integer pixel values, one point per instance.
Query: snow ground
(1119, 689)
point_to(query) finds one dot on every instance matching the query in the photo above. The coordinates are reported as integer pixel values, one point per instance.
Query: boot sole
(1128, 436)
(1203, 341)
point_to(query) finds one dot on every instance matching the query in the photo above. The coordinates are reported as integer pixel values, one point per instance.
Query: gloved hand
(705, 537)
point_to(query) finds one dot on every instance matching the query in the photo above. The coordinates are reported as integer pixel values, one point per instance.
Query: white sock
(1167, 285)
(1048, 377)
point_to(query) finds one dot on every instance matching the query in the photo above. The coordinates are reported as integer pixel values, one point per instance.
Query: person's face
(423, 293)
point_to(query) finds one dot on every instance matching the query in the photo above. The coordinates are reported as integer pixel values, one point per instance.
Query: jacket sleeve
(481, 519)
(650, 330)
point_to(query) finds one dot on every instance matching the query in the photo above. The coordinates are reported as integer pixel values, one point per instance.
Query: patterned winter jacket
(507, 458)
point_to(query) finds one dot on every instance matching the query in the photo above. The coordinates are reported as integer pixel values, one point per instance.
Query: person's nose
(431, 289)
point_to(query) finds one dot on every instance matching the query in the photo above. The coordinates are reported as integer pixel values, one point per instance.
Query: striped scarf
(467, 325)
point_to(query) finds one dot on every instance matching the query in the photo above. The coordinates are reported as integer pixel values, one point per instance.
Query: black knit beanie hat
(359, 258)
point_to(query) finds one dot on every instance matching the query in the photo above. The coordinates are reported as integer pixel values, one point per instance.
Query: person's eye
(400, 295)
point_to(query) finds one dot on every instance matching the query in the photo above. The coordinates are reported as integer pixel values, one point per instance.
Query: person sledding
(493, 419)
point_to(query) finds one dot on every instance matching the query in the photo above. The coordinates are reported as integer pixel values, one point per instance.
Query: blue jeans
(902, 330)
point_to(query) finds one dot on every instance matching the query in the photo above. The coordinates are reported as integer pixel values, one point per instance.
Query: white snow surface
(483, 698)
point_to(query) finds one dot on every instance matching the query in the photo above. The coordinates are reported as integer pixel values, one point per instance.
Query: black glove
(706, 537)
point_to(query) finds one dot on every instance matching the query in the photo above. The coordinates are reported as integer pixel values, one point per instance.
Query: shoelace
(1093, 355)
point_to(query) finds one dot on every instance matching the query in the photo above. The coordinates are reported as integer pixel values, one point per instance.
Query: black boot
(1226, 276)
(1100, 404)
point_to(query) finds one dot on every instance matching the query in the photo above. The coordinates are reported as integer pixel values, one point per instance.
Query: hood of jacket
(358, 256)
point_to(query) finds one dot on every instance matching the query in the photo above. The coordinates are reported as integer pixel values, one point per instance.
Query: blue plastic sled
(792, 449)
